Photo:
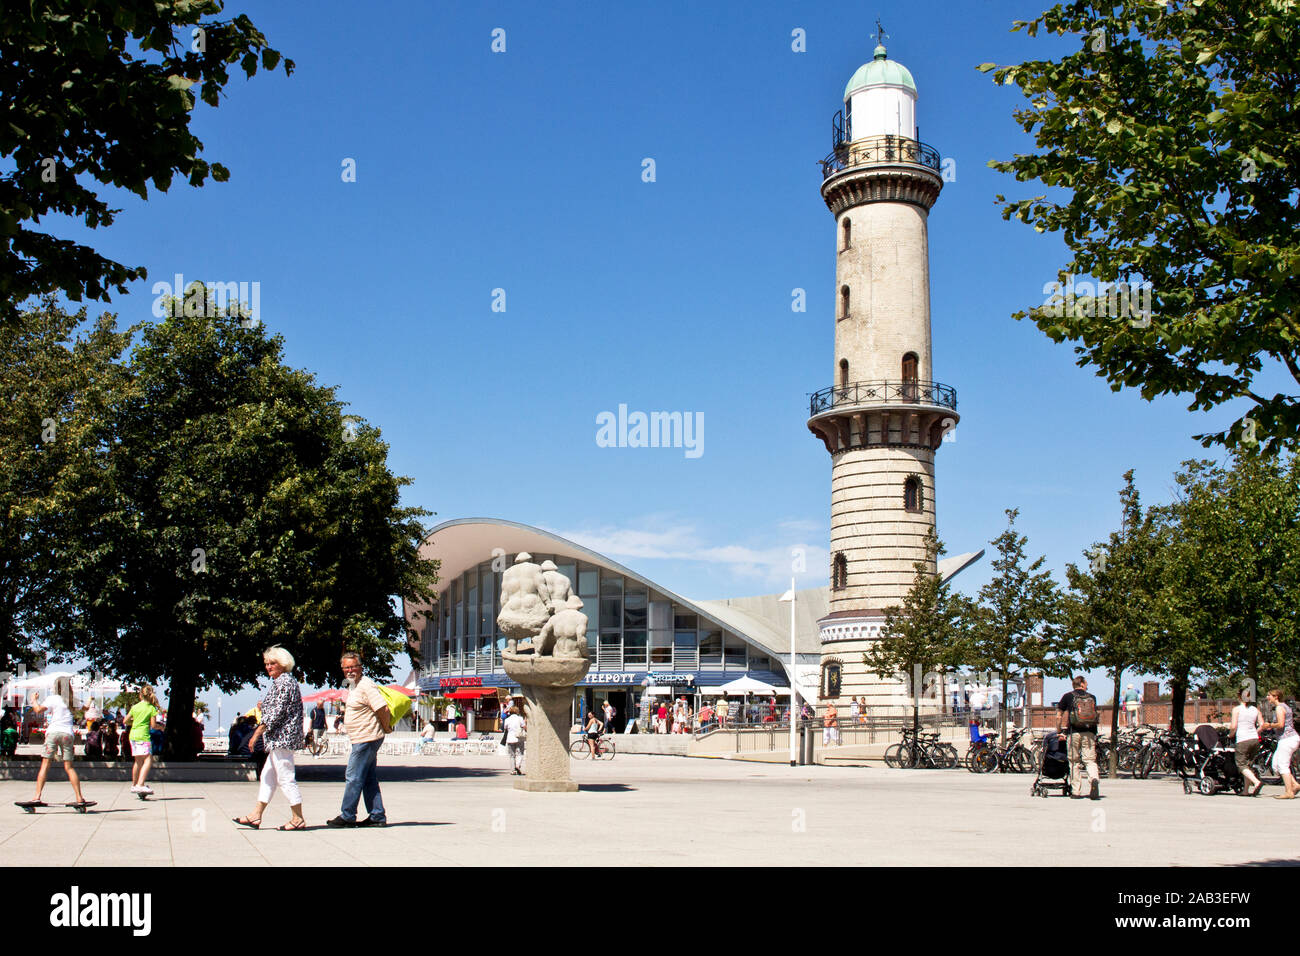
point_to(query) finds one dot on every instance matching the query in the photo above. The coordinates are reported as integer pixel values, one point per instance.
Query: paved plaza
(640, 810)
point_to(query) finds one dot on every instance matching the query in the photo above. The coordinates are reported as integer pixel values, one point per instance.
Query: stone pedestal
(547, 686)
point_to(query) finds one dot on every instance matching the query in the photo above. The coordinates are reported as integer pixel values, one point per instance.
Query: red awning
(471, 693)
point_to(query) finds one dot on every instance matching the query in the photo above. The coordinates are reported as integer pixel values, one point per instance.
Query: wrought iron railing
(883, 393)
(880, 150)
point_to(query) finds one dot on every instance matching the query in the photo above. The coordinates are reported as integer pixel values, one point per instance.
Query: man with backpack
(1077, 711)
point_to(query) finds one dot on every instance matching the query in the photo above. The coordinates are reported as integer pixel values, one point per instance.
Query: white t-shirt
(1247, 723)
(514, 728)
(60, 715)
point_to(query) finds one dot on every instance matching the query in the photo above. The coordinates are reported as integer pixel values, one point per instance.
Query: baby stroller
(1053, 768)
(1215, 768)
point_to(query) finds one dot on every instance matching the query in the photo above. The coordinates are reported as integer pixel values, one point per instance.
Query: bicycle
(1014, 757)
(604, 749)
(921, 750)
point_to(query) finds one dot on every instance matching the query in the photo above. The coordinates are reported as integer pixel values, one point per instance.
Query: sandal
(300, 825)
(246, 822)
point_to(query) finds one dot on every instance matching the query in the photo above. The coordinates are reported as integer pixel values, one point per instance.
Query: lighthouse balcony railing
(883, 393)
(880, 151)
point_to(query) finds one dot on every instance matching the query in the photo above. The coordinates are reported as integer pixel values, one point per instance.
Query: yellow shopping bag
(399, 705)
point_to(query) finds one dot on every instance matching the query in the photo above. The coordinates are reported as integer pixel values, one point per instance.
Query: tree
(245, 511)
(920, 635)
(1016, 624)
(1108, 611)
(1235, 535)
(1173, 132)
(55, 385)
(103, 91)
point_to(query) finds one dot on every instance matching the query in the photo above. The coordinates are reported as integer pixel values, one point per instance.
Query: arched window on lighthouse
(844, 302)
(913, 495)
(848, 233)
(910, 390)
(840, 573)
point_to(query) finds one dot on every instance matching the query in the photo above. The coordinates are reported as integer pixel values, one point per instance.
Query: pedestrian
(108, 738)
(142, 720)
(1077, 713)
(516, 729)
(609, 712)
(661, 719)
(1131, 707)
(59, 739)
(1245, 729)
(855, 711)
(318, 727)
(831, 726)
(280, 732)
(721, 710)
(1287, 740)
(366, 721)
(95, 742)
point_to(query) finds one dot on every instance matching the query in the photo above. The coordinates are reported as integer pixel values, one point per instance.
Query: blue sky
(522, 171)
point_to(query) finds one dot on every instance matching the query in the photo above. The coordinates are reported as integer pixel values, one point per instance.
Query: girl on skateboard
(58, 736)
(142, 718)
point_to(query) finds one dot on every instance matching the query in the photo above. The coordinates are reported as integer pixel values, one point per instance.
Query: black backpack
(1083, 712)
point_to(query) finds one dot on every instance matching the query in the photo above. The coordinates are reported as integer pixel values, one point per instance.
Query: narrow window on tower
(840, 573)
(913, 495)
(848, 234)
(844, 302)
(910, 390)
(844, 374)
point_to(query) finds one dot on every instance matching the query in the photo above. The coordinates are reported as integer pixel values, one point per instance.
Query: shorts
(141, 748)
(1247, 750)
(57, 744)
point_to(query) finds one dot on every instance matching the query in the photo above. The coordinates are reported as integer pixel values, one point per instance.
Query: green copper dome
(881, 71)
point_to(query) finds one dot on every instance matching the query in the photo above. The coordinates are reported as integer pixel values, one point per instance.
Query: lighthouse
(884, 416)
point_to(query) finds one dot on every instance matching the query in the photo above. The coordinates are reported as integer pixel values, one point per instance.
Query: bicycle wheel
(1023, 761)
(984, 761)
(950, 756)
(1146, 764)
(606, 748)
(578, 749)
(900, 757)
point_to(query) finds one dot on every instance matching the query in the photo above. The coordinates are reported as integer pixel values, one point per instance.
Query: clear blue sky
(522, 171)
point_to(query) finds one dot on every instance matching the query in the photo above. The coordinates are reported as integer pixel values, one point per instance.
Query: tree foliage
(1174, 132)
(103, 92)
(1109, 610)
(55, 385)
(1015, 626)
(923, 633)
(240, 509)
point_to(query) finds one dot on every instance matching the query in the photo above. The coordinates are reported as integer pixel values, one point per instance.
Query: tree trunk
(1002, 709)
(1178, 688)
(1114, 727)
(179, 742)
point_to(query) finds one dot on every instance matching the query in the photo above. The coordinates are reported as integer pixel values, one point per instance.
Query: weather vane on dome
(881, 35)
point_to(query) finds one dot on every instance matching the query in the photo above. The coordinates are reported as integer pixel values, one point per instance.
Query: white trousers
(279, 770)
(1282, 756)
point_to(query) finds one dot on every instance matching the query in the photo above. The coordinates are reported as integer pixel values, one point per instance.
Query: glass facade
(630, 626)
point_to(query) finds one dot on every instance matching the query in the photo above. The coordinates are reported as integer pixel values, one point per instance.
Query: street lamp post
(789, 596)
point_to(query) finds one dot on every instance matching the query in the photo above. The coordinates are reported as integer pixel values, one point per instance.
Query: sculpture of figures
(524, 597)
(558, 587)
(565, 634)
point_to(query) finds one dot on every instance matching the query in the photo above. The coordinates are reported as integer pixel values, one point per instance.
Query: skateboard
(29, 806)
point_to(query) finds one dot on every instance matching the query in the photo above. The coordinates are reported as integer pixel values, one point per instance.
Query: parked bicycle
(1012, 757)
(921, 750)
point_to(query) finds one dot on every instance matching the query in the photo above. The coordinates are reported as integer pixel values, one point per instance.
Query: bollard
(810, 741)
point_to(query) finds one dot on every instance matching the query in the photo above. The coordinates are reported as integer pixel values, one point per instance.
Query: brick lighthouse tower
(885, 416)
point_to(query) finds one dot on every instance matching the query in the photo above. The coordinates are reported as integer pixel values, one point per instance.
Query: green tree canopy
(242, 509)
(1016, 624)
(55, 385)
(103, 92)
(1173, 133)
(922, 634)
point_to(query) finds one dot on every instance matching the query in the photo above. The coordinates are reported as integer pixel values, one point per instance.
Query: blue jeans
(361, 782)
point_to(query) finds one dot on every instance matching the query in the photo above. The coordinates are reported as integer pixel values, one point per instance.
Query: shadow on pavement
(1268, 863)
(605, 787)
(400, 774)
